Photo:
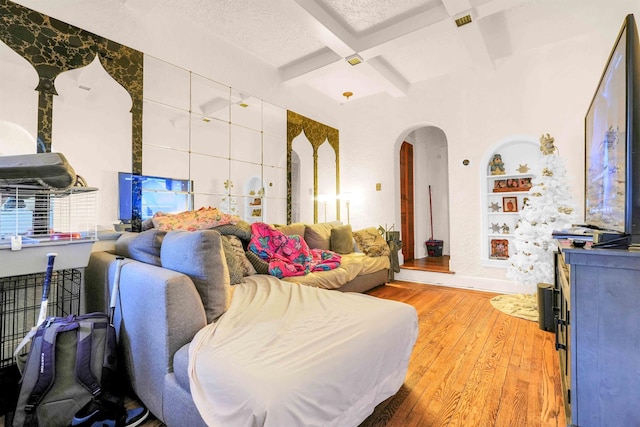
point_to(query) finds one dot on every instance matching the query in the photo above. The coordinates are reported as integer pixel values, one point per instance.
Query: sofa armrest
(157, 312)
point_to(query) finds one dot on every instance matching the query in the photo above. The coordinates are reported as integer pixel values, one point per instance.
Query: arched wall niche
(316, 134)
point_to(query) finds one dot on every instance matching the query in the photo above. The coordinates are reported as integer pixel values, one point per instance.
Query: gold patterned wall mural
(317, 134)
(53, 47)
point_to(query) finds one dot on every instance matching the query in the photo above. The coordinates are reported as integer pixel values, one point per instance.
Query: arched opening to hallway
(423, 163)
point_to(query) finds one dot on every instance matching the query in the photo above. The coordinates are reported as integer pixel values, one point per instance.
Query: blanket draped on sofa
(289, 255)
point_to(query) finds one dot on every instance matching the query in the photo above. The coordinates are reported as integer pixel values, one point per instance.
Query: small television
(142, 196)
(612, 140)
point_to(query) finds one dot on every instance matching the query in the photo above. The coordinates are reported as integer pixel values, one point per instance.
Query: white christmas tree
(549, 207)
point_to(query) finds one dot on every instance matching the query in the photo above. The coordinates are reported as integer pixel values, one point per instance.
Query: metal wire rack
(20, 298)
(36, 214)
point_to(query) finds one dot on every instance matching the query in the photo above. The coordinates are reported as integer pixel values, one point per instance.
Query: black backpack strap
(47, 366)
(83, 357)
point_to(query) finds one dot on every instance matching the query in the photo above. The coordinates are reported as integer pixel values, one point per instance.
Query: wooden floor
(438, 264)
(471, 366)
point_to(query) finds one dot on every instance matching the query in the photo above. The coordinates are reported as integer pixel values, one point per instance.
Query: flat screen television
(612, 137)
(141, 196)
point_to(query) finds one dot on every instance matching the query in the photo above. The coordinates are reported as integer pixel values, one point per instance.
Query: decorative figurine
(523, 168)
(546, 144)
(497, 165)
(495, 207)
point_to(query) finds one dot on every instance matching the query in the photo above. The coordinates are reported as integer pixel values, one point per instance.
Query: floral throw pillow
(201, 219)
(371, 243)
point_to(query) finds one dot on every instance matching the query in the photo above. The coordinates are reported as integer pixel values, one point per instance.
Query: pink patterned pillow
(201, 219)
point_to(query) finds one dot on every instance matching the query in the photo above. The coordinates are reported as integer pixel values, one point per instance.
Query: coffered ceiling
(401, 42)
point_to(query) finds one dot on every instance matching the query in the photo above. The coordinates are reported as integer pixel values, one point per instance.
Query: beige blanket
(351, 266)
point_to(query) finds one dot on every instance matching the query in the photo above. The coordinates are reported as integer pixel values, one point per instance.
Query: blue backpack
(71, 363)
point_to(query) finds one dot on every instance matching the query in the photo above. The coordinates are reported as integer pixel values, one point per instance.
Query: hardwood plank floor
(437, 264)
(472, 365)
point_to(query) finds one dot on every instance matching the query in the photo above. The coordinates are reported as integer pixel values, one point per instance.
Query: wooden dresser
(597, 309)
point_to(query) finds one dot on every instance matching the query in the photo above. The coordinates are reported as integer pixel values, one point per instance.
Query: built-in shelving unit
(505, 189)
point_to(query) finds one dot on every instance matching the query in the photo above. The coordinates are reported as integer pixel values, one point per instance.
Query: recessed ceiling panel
(338, 81)
(367, 14)
(439, 54)
(535, 24)
(258, 27)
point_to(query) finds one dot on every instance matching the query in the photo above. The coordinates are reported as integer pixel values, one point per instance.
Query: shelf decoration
(496, 165)
(495, 207)
(549, 206)
(499, 249)
(495, 228)
(505, 228)
(510, 204)
(512, 184)
(523, 168)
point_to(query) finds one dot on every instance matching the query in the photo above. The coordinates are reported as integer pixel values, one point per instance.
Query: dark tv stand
(598, 334)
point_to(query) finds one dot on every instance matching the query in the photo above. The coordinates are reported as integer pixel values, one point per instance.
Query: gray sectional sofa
(160, 309)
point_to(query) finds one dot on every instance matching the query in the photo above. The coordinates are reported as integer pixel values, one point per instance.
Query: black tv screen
(142, 196)
(612, 140)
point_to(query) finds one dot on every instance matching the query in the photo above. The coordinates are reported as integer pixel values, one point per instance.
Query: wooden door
(406, 200)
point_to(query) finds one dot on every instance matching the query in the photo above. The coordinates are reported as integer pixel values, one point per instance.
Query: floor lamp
(347, 198)
(324, 198)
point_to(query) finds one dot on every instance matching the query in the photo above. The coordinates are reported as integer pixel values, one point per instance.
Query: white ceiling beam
(319, 24)
(392, 82)
(442, 25)
(404, 27)
(470, 34)
(337, 38)
(496, 6)
(456, 7)
(323, 58)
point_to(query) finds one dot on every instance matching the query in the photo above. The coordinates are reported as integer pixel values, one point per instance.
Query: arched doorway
(422, 162)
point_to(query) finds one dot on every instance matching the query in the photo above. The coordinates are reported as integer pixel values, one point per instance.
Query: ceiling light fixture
(354, 59)
(347, 95)
(463, 20)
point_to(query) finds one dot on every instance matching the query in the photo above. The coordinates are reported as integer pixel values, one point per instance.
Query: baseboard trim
(499, 286)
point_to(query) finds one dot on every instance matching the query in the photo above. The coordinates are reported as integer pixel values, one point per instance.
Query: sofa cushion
(143, 247)
(318, 236)
(330, 279)
(290, 229)
(241, 229)
(371, 243)
(236, 246)
(341, 240)
(261, 266)
(181, 366)
(199, 255)
(201, 219)
(236, 273)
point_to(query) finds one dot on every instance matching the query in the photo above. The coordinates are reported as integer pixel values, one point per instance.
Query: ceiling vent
(463, 20)
(354, 59)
